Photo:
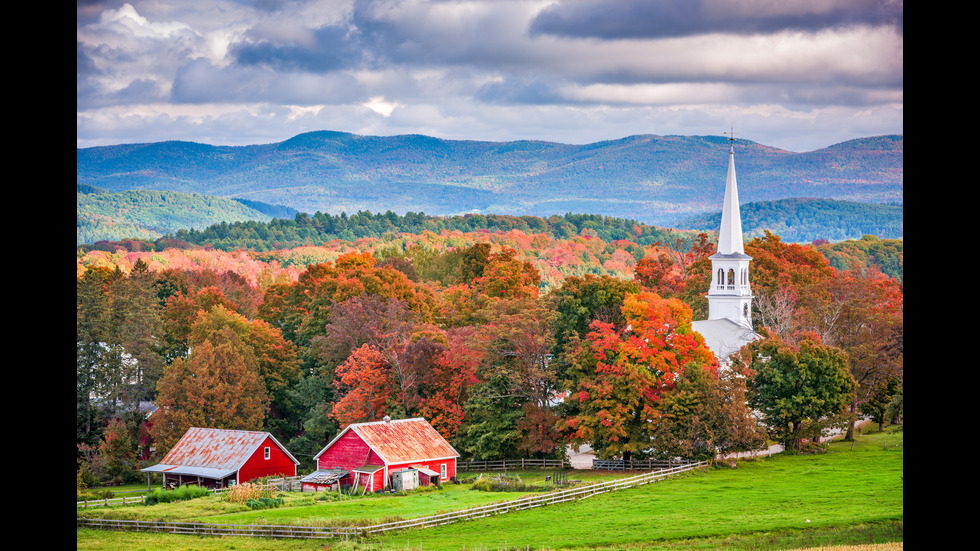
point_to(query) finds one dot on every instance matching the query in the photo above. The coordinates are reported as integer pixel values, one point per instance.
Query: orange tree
(619, 377)
(218, 386)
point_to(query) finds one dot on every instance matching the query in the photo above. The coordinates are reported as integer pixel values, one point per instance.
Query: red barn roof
(401, 440)
(214, 453)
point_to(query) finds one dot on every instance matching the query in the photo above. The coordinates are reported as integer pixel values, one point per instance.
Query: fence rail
(289, 531)
(504, 464)
(286, 484)
(635, 464)
(206, 529)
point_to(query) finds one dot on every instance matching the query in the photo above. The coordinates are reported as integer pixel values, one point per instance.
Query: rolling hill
(658, 180)
(804, 220)
(150, 214)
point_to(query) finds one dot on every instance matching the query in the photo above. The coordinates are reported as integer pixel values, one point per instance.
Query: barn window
(267, 452)
(442, 471)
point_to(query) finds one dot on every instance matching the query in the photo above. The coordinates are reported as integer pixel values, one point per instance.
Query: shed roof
(400, 440)
(213, 453)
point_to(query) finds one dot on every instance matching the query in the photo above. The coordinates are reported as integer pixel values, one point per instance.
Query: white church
(729, 323)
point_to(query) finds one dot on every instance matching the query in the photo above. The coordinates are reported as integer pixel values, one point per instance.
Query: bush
(506, 483)
(182, 493)
(264, 503)
(246, 491)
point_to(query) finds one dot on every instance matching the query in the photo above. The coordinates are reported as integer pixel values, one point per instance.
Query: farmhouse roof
(213, 453)
(400, 440)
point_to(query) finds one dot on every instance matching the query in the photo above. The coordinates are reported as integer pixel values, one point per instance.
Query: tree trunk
(850, 426)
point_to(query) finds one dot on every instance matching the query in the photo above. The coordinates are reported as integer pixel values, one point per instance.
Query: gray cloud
(332, 49)
(669, 18)
(576, 71)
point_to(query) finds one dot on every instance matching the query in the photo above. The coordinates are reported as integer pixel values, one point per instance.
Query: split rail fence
(289, 531)
(506, 464)
(287, 484)
(634, 464)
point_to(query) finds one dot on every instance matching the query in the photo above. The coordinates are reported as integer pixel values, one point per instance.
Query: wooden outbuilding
(218, 458)
(371, 452)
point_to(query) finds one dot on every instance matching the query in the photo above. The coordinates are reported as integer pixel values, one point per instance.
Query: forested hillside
(654, 179)
(150, 214)
(805, 220)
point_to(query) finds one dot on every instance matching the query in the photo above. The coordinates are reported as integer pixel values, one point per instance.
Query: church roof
(723, 336)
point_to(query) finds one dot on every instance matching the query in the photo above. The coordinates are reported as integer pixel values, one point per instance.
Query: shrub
(182, 493)
(264, 502)
(241, 493)
(506, 483)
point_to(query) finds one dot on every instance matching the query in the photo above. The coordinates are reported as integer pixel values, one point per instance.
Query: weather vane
(731, 139)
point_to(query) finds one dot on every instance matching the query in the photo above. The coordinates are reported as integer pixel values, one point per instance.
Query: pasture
(851, 494)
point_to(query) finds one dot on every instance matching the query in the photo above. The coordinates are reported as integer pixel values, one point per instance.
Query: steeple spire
(730, 233)
(730, 294)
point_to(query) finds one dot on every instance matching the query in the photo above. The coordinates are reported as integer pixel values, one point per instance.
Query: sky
(798, 75)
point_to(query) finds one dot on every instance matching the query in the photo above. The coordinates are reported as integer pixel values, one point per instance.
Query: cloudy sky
(793, 74)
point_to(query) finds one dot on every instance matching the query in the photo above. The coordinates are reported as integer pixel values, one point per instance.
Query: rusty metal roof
(214, 450)
(401, 440)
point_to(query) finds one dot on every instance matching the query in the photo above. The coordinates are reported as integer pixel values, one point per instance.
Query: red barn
(371, 452)
(217, 458)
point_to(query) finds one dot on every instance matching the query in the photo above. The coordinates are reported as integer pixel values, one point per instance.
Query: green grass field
(851, 494)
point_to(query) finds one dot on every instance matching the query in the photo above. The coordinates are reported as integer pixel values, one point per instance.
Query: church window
(721, 277)
(745, 310)
(731, 276)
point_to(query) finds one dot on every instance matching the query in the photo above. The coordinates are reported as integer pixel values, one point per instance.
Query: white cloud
(380, 106)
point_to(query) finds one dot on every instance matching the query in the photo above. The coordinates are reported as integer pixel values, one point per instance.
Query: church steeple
(730, 296)
(730, 234)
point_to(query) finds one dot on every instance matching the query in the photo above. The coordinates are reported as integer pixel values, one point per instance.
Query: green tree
(798, 388)
(706, 414)
(879, 399)
(490, 427)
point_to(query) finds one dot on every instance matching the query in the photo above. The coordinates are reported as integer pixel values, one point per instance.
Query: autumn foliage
(511, 343)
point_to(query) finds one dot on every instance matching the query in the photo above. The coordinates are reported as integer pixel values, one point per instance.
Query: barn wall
(433, 465)
(278, 464)
(349, 452)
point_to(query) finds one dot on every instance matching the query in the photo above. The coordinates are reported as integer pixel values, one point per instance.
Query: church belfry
(730, 296)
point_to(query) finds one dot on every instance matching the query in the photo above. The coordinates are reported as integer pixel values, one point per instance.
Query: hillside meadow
(851, 494)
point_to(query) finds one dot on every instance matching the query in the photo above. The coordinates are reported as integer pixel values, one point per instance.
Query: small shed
(371, 452)
(217, 458)
(323, 479)
(405, 479)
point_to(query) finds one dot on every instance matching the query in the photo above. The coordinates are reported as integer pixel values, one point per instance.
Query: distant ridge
(807, 219)
(657, 180)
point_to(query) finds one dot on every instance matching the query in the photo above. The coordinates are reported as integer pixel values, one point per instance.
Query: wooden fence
(206, 529)
(288, 531)
(287, 484)
(635, 464)
(506, 464)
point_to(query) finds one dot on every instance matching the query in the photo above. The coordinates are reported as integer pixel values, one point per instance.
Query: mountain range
(659, 180)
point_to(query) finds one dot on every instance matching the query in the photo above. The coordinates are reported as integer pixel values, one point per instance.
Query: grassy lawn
(325, 508)
(853, 493)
